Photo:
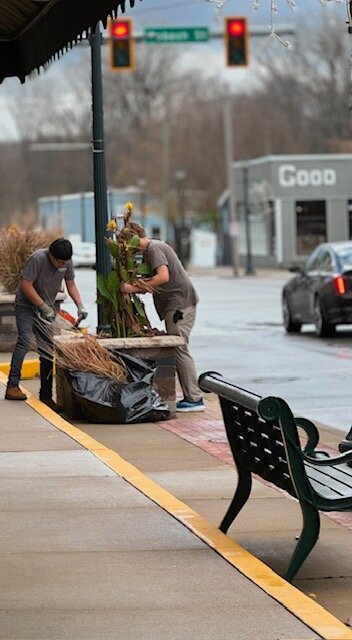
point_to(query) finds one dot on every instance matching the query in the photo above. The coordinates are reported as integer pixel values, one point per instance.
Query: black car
(321, 292)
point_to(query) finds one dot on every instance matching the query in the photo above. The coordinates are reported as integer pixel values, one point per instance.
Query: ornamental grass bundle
(16, 245)
(87, 355)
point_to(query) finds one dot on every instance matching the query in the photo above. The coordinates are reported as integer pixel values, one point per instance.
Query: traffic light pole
(254, 31)
(103, 264)
(249, 265)
(228, 143)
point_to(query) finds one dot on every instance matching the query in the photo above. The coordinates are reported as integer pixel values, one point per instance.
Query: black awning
(34, 32)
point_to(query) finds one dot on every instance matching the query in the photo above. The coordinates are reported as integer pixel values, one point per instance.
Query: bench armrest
(312, 434)
(343, 458)
(319, 458)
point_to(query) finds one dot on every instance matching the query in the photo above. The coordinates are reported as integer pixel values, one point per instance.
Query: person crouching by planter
(175, 300)
(35, 311)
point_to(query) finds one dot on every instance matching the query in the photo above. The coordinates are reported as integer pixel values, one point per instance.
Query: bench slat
(331, 482)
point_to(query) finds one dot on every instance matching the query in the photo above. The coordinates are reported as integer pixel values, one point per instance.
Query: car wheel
(289, 324)
(323, 328)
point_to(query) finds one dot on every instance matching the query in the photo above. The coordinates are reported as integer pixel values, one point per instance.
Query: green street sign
(174, 35)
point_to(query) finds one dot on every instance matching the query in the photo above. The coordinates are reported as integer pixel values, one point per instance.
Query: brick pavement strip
(207, 432)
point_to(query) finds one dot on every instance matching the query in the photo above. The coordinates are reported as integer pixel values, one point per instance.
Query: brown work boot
(49, 402)
(14, 393)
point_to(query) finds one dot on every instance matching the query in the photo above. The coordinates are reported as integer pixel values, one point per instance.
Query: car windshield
(345, 255)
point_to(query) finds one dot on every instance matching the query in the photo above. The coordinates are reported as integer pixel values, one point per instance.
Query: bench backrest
(262, 434)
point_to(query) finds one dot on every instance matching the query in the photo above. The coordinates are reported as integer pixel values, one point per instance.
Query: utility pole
(249, 265)
(349, 29)
(166, 156)
(142, 184)
(228, 143)
(181, 238)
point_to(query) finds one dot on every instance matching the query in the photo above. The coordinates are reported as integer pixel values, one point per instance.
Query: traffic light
(121, 45)
(236, 42)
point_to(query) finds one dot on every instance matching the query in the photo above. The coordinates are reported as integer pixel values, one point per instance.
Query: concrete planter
(160, 349)
(8, 330)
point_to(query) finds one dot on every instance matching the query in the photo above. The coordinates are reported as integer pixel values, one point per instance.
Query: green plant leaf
(123, 274)
(133, 242)
(130, 264)
(103, 287)
(114, 249)
(113, 283)
(139, 306)
(143, 269)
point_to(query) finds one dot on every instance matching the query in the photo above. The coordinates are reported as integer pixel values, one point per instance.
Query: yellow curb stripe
(30, 369)
(309, 612)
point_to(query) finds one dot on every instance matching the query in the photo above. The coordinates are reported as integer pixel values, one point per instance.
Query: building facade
(74, 213)
(285, 206)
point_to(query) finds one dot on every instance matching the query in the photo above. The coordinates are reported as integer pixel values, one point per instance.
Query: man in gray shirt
(35, 310)
(175, 300)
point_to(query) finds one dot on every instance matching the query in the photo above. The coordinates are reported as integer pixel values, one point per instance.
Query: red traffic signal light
(236, 27)
(121, 45)
(120, 29)
(236, 42)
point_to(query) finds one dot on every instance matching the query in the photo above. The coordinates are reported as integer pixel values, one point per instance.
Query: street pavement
(239, 332)
(110, 531)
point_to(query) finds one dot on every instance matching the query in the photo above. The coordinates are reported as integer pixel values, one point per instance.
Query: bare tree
(308, 88)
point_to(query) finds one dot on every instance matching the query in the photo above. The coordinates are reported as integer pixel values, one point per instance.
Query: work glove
(82, 313)
(47, 312)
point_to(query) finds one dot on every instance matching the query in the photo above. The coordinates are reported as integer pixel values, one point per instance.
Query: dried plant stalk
(87, 355)
(16, 245)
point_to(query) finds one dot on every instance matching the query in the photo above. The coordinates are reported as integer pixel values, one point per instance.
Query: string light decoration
(274, 9)
(219, 4)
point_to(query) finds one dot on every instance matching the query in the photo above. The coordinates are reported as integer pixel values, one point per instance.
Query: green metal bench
(264, 440)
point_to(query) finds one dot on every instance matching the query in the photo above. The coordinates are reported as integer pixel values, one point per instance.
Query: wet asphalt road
(239, 333)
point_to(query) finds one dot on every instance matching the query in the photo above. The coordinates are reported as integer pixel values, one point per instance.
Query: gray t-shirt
(46, 280)
(179, 292)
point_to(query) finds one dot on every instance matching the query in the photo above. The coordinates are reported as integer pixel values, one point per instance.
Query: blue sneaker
(185, 405)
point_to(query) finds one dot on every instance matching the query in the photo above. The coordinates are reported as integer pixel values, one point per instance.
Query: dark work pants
(28, 325)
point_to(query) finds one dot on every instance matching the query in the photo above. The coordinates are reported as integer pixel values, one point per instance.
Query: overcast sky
(207, 57)
(202, 13)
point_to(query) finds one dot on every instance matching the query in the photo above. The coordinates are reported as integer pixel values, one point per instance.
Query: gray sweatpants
(185, 366)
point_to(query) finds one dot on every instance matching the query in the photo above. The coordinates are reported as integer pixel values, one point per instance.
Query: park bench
(264, 440)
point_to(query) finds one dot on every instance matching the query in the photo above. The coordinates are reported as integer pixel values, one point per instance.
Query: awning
(34, 32)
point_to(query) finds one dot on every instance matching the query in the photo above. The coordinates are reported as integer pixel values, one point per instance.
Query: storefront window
(310, 225)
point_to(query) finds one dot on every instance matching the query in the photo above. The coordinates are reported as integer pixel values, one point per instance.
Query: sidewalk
(98, 546)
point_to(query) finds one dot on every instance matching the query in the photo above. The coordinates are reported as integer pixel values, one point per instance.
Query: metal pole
(103, 262)
(349, 29)
(228, 142)
(180, 176)
(83, 218)
(166, 157)
(249, 265)
(142, 183)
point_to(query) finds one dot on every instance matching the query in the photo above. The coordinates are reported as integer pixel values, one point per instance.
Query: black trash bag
(105, 400)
